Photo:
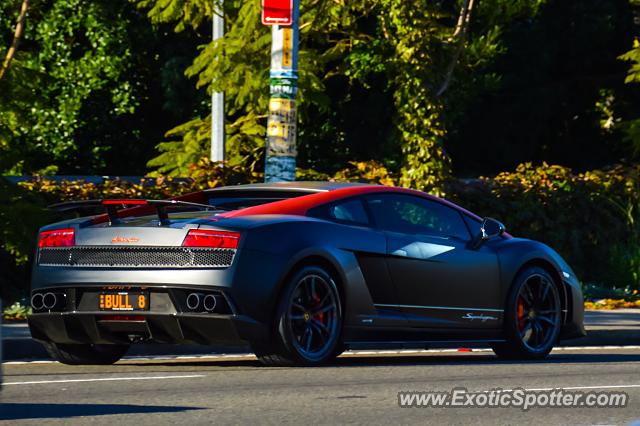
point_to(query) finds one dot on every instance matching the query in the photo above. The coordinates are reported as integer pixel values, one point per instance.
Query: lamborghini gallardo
(299, 271)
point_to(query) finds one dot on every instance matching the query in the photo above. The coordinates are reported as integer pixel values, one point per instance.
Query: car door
(370, 251)
(440, 281)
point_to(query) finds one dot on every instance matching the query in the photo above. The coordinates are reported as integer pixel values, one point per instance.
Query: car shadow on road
(417, 360)
(22, 411)
(480, 359)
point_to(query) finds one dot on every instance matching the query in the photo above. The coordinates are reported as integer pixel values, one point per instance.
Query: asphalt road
(619, 327)
(360, 388)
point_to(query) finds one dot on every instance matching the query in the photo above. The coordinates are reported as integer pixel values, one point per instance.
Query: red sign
(277, 12)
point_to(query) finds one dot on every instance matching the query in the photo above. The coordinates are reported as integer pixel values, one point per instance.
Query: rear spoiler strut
(113, 206)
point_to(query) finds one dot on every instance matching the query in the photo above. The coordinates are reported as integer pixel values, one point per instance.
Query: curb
(606, 337)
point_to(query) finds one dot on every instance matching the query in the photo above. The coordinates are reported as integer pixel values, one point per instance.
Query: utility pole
(217, 98)
(284, 17)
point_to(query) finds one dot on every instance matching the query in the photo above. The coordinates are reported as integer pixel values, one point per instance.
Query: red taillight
(211, 238)
(57, 238)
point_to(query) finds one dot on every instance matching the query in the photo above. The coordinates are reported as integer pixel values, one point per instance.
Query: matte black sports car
(300, 271)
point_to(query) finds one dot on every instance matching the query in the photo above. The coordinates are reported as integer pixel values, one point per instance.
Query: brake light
(57, 238)
(211, 238)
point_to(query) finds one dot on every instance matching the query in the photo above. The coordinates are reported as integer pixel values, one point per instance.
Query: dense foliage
(429, 94)
(404, 84)
(90, 79)
(591, 218)
(426, 88)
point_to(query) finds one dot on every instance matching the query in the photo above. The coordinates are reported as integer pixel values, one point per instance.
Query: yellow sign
(281, 129)
(287, 46)
(281, 106)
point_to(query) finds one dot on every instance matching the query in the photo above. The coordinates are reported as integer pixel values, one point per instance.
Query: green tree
(555, 79)
(89, 81)
(631, 127)
(405, 57)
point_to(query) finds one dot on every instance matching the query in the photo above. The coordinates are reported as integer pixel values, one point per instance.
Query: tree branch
(462, 28)
(462, 19)
(17, 35)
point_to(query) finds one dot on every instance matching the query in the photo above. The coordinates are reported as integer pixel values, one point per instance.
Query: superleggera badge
(482, 318)
(119, 239)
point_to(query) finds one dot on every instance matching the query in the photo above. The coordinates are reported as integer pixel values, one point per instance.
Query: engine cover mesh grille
(141, 257)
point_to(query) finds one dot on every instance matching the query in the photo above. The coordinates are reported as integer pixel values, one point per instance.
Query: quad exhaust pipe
(37, 302)
(48, 301)
(209, 302)
(194, 300)
(198, 302)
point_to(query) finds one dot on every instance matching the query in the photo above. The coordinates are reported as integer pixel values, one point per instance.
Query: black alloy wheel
(532, 318)
(309, 321)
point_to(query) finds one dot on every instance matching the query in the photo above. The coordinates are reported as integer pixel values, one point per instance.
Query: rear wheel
(532, 316)
(86, 354)
(308, 325)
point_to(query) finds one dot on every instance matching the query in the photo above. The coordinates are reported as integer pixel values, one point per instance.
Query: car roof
(298, 186)
(332, 191)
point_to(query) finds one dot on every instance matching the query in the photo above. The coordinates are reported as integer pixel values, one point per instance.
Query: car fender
(274, 258)
(515, 253)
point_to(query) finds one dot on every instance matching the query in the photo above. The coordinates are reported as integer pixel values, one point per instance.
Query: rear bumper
(179, 328)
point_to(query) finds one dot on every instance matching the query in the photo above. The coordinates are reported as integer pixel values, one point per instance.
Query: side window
(413, 215)
(473, 225)
(349, 211)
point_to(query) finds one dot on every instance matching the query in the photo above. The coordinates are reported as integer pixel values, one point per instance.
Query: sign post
(283, 16)
(217, 98)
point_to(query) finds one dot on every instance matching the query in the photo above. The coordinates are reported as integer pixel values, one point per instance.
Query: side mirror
(490, 228)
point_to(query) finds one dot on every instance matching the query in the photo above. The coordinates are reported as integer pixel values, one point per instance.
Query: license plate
(124, 301)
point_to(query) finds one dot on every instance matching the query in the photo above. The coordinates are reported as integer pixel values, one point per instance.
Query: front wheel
(532, 317)
(308, 325)
(86, 354)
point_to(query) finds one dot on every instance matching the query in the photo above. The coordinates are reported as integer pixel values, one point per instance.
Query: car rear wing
(115, 207)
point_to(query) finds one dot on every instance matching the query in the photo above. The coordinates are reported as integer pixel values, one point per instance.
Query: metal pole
(281, 127)
(217, 98)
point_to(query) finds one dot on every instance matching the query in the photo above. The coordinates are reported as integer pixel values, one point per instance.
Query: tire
(532, 316)
(308, 324)
(86, 354)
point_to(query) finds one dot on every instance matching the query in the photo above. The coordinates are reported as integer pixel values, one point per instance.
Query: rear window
(236, 200)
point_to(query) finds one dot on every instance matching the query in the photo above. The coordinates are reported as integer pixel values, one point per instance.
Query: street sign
(281, 146)
(287, 47)
(277, 12)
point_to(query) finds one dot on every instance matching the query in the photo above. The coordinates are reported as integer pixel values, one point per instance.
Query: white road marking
(250, 356)
(587, 387)
(104, 379)
(567, 388)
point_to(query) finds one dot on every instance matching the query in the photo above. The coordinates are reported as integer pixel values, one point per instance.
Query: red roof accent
(299, 206)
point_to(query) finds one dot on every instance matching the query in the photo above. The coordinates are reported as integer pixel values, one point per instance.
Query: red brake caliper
(320, 316)
(520, 312)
